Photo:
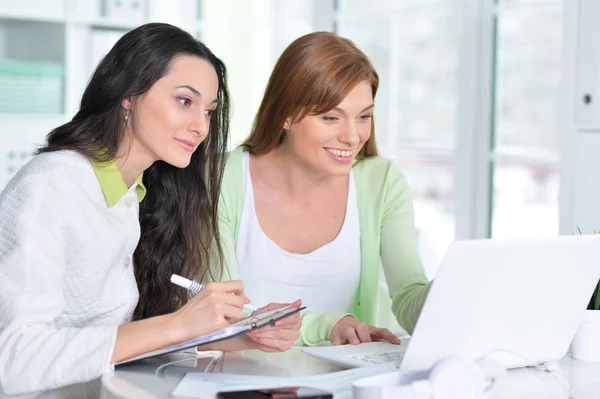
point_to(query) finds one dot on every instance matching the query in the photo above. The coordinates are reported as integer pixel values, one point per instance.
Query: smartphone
(276, 393)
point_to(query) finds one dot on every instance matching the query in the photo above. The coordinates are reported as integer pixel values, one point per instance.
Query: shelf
(20, 136)
(48, 10)
(21, 40)
(30, 124)
(111, 24)
(106, 23)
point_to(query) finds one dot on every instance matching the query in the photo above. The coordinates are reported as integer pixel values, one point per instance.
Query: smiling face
(329, 143)
(169, 122)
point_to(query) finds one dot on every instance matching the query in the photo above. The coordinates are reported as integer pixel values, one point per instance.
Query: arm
(35, 354)
(39, 353)
(317, 326)
(408, 285)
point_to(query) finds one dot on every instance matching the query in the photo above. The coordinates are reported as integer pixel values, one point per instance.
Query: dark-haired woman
(120, 198)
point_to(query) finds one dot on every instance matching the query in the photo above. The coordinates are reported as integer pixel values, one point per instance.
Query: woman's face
(169, 122)
(330, 142)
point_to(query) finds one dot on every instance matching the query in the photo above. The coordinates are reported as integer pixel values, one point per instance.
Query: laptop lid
(518, 302)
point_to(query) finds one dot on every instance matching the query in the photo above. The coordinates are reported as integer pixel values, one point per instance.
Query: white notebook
(247, 324)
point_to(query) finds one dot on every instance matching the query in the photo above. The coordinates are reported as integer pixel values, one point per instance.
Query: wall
(245, 45)
(580, 163)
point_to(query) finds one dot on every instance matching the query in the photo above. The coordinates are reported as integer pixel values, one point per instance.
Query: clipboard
(241, 327)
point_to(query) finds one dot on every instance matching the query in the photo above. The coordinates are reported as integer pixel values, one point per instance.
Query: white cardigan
(66, 276)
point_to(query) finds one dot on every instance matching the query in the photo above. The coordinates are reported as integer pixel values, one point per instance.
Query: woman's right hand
(216, 306)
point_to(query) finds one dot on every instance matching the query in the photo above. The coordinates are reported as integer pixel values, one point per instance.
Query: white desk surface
(573, 379)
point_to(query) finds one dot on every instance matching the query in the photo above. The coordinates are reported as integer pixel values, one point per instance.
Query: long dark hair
(313, 75)
(178, 216)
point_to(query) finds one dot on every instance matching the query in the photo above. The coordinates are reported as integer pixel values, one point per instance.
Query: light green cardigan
(387, 232)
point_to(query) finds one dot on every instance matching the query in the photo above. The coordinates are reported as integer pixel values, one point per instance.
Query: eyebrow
(190, 88)
(343, 112)
(196, 92)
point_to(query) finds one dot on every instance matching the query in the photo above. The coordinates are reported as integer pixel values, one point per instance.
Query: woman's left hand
(280, 336)
(350, 330)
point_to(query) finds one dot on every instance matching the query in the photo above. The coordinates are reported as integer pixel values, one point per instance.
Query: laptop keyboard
(379, 358)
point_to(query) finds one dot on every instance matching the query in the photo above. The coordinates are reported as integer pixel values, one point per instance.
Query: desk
(573, 379)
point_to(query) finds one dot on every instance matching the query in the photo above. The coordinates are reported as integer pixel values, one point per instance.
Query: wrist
(343, 322)
(233, 344)
(175, 328)
(346, 320)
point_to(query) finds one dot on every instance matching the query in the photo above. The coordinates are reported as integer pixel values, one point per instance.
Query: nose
(200, 125)
(349, 134)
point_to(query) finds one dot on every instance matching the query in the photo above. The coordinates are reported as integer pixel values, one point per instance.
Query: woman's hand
(280, 336)
(213, 308)
(350, 330)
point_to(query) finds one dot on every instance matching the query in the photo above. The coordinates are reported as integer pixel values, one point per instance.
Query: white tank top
(326, 279)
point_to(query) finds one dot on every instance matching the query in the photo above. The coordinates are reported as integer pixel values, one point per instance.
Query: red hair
(312, 76)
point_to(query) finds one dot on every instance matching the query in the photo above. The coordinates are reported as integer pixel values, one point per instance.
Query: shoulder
(54, 171)
(379, 172)
(233, 181)
(56, 163)
(234, 161)
(233, 173)
(382, 185)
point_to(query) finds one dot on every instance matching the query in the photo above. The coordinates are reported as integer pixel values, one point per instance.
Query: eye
(365, 117)
(329, 118)
(209, 112)
(185, 101)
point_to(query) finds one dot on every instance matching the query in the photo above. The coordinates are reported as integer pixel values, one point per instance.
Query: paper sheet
(206, 386)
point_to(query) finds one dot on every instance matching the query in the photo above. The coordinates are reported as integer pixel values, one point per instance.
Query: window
(467, 104)
(525, 146)
(414, 46)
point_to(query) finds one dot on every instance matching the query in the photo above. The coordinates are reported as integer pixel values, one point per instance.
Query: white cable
(548, 367)
(216, 355)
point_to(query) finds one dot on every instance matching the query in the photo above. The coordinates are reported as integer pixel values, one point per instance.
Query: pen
(195, 287)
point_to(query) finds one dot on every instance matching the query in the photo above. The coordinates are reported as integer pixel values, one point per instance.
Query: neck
(132, 160)
(297, 177)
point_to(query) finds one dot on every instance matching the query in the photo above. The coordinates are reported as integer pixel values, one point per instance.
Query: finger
(233, 286)
(274, 344)
(232, 313)
(214, 298)
(290, 321)
(350, 336)
(265, 328)
(286, 335)
(344, 336)
(265, 348)
(271, 306)
(384, 334)
(362, 330)
(228, 299)
(295, 320)
(296, 304)
(293, 327)
(271, 342)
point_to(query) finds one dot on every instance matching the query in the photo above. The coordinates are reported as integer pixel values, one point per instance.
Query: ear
(127, 104)
(287, 123)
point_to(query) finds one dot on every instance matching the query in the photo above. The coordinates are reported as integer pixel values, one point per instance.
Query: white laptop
(518, 302)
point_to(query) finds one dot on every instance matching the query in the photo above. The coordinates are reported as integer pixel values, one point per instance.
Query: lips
(187, 145)
(339, 153)
(343, 156)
